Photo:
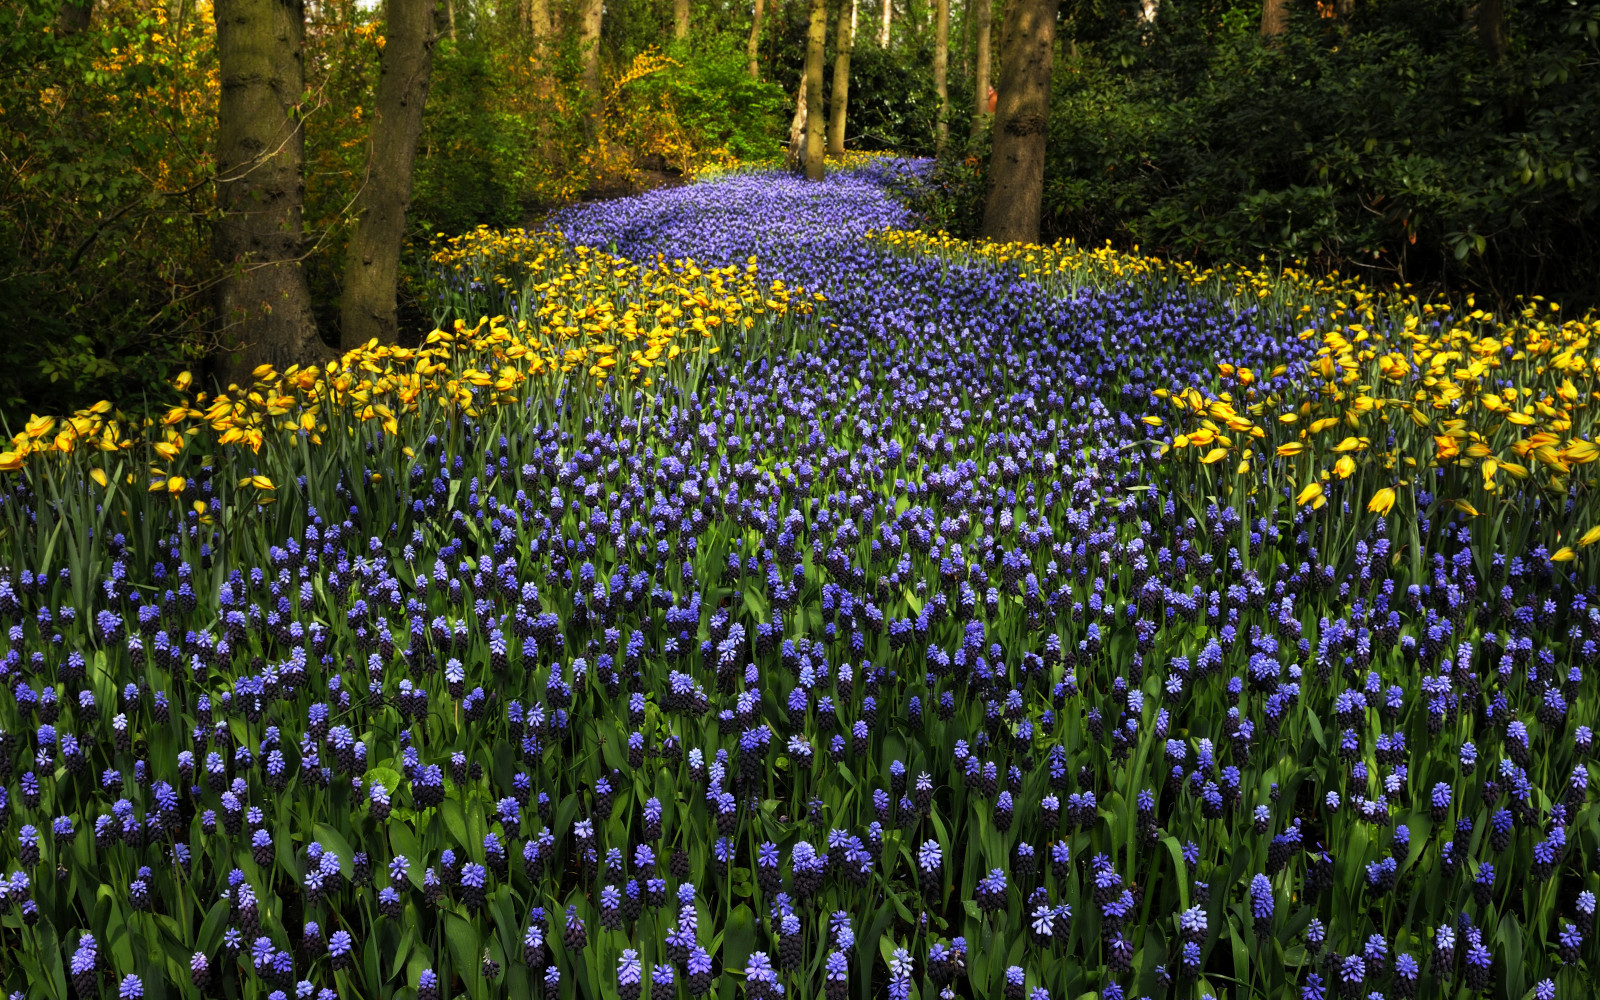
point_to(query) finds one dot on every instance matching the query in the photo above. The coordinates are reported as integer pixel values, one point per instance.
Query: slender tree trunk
(797, 127)
(983, 12)
(589, 14)
(680, 19)
(941, 70)
(450, 17)
(372, 264)
(966, 38)
(540, 34)
(816, 119)
(844, 43)
(1274, 18)
(1492, 28)
(886, 11)
(74, 17)
(263, 302)
(1016, 165)
(755, 40)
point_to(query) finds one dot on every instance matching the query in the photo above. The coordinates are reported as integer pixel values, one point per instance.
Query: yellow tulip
(1565, 554)
(1382, 501)
(176, 484)
(1153, 421)
(1291, 449)
(1344, 467)
(99, 476)
(1465, 508)
(1214, 455)
(1310, 493)
(1582, 452)
(1590, 537)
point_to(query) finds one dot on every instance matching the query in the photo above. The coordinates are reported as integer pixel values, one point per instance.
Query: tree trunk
(680, 19)
(1016, 165)
(589, 13)
(1274, 18)
(755, 40)
(263, 302)
(844, 42)
(966, 39)
(941, 70)
(816, 120)
(1492, 29)
(797, 128)
(540, 36)
(372, 263)
(983, 9)
(887, 11)
(73, 17)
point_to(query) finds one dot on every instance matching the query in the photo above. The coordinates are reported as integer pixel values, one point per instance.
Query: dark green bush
(1390, 143)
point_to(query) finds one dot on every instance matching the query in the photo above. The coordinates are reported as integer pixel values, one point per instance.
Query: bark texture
(885, 11)
(589, 14)
(754, 48)
(263, 302)
(680, 19)
(1016, 164)
(372, 265)
(1492, 28)
(941, 70)
(74, 17)
(1274, 18)
(797, 128)
(982, 14)
(816, 39)
(844, 42)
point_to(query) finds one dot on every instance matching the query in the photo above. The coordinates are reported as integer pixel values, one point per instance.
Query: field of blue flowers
(900, 660)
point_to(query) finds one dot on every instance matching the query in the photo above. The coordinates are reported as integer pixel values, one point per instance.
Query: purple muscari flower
(1261, 904)
(629, 975)
(340, 949)
(760, 978)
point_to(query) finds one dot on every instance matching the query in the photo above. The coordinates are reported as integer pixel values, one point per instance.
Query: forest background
(1450, 145)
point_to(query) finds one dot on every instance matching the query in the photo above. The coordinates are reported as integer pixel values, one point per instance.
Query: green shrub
(1389, 144)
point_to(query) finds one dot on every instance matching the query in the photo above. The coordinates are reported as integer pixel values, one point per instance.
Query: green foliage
(486, 160)
(1390, 144)
(892, 104)
(103, 200)
(719, 103)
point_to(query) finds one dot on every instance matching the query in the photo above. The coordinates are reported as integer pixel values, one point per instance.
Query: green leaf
(403, 841)
(464, 952)
(211, 931)
(455, 821)
(738, 938)
(407, 940)
(333, 840)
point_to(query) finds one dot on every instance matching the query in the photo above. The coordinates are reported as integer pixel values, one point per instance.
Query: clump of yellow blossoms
(572, 318)
(1504, 407)
(1512, 401)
